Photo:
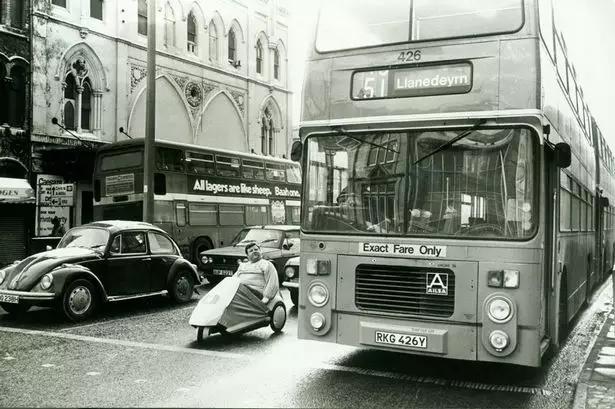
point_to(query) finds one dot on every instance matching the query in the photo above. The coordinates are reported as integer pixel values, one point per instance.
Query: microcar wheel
(199, 334)
(182, 287)
(278, 317)
(79, 300)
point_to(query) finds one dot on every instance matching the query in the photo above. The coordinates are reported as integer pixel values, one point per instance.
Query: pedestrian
(258, 274)
(58, 227)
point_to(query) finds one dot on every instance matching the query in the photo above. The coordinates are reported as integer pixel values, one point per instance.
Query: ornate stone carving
(239, 99)
(194, 94)
(181, 81)
(137, 73)
(207, 88)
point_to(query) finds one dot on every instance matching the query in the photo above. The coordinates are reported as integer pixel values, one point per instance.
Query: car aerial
(278, 243)
(291, 278)
(96, 263)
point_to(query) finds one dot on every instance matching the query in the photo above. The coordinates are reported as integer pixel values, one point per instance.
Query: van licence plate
(227, 273)
(394, 338)
(11, 299)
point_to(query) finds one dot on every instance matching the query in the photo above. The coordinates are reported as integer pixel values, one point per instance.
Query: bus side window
(169, 159)
(227, 166)
(275, 172)
(231, 215)
(200, 163)
(180, 213)
(160, 184)
(253, 169)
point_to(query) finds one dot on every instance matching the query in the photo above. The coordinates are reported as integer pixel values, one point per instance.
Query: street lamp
(150, 116)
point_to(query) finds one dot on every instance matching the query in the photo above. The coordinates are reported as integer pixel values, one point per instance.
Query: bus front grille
(405, 290)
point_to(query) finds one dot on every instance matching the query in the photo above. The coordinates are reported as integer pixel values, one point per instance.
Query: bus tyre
(278, 317)
(562, 316)
(182, 287)
(79, 300)
(200, 245)
(294, 295)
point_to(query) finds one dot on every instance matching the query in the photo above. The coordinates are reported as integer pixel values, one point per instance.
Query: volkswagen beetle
(95, 263)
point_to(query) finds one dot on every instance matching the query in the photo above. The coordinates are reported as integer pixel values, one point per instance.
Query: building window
(276, 64)
(86, 105)
(267, 133)
(96, 9)
(142, 17)
(191, 33)
(61, 3)
(13, 96)
(232, 46)
(17, 13)
(70, 102)
(259, 57)
(3, 96)
(213, 42)
(169, 26)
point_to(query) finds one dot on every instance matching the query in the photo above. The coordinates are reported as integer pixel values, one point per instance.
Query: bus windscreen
(398, 21)
(483, 185)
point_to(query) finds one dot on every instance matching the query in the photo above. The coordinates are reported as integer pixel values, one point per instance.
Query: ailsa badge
(437, 283)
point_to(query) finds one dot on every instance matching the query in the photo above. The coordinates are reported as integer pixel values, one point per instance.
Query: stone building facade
(221, 81)
(16, 193)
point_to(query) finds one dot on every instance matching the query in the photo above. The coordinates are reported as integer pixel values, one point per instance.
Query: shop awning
(14, 190)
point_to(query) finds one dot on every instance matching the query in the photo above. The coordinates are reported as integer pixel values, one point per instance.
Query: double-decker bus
(456, 185)
(202, 196)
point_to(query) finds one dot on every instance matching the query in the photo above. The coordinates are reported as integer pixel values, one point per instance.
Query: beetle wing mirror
(563, 156)
(296, 151)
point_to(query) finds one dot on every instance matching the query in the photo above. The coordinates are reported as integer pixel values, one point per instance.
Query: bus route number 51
(409, 56)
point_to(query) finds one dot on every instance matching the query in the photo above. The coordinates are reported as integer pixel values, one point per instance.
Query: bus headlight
(46, 281)
(317, 321)
(498, 340)
(499, 310)
(289, 272)
(318, 294)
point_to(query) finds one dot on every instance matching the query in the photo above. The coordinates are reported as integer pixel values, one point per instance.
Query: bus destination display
(412, 81)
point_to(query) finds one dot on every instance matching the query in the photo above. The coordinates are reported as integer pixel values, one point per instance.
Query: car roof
(117, 225)
(283, 227)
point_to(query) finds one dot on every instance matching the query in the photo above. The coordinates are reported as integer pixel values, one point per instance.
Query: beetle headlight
(2, 276)
(46, 281)
(289, 272)
(499, 309)
(318, 294)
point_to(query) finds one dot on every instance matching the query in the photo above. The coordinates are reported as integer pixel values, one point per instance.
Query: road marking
(9, 358)
(120, 319)
(47, 365)
(93, 373)
(322, 366)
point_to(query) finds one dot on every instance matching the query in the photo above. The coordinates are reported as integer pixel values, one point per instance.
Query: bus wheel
(562, 316)
(200, 245)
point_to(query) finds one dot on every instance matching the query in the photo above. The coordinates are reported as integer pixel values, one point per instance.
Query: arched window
(267, 132)
(70, 98)
(86, 105)
(276, 64)
(142, 17)
(17, 13)
(213, 42)
(3, 96)
(169, 26)
(232, 46)
(259, 57)
(192, 38)
(17, 97)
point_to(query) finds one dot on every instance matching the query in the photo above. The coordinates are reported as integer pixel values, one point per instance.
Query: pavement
(596, 386)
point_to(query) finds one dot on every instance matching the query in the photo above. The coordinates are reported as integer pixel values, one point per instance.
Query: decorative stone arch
(198, 11)
(217, 18)
(214, 96)
(178, 9)
(95, 69)
(271, 123)
(264, 41)
(141, 90)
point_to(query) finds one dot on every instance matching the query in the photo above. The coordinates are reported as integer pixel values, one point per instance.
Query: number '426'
(409, 56)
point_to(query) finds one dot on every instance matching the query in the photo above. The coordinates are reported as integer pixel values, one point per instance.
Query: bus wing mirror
(296, 151)
(604, 201)
(562, 155)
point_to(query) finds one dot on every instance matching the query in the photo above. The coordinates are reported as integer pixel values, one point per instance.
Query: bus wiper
(452, 141)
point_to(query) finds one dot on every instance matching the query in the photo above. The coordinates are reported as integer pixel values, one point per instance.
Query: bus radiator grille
(404, 290)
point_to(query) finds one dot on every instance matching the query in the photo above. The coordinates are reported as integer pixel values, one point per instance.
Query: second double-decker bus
(456, 186)
(202, 197)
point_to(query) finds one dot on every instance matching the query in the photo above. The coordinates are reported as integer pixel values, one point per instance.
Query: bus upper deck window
(253, 169)
(199, 163)
(275, 172)
(169, 159)
(227, 166)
